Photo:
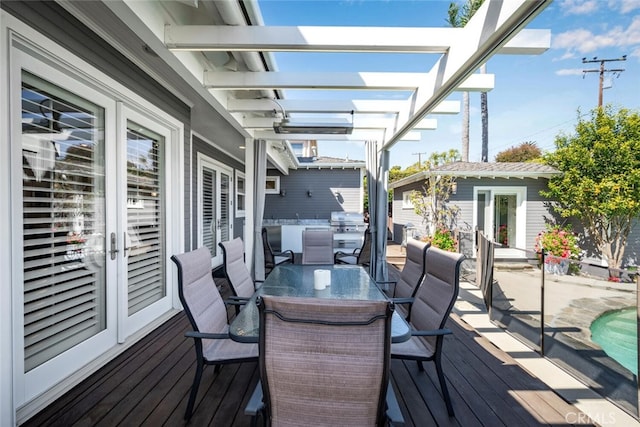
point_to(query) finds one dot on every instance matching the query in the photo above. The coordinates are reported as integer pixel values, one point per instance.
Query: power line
(601, 71)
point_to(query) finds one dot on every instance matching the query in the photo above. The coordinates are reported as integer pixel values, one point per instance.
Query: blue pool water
(616, 333)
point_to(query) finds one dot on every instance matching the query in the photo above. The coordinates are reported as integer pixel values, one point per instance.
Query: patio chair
(324, 362)
(271, 259)
(207, 314)
(317, 246)
(430, 310)
(237, 273)
(359, 256)
(404, 289)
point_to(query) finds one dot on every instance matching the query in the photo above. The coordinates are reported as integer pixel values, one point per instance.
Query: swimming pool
(616, 332)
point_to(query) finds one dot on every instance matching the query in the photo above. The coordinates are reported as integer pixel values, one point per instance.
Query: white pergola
(223, 51)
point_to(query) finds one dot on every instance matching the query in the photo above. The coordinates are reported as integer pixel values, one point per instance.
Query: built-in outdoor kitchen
(319, 194)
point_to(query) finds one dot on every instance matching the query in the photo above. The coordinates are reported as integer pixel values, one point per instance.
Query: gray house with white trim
(503, 199)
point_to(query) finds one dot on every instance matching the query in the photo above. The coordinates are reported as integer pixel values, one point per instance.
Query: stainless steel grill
(348, 230)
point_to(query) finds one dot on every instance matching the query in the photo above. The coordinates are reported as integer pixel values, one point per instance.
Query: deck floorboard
(148, 385)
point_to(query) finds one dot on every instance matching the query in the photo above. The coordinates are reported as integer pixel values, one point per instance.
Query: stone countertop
(286, 221)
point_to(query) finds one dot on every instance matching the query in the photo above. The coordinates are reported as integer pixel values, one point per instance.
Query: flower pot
(557, 266)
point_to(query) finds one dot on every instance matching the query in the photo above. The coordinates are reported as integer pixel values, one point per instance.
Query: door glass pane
(208, 212)
(63, 214)
(145, 218)
(505, 219)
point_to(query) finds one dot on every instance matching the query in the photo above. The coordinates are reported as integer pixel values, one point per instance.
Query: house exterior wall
(324, 185)
(536, 211)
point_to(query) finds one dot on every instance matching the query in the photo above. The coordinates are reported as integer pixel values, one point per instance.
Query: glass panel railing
(591, 327)
(516, 296)
(580, 316)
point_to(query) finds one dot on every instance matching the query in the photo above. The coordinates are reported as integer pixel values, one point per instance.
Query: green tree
(458, 17)
(600, 181)
(524, 152)
(432, 203)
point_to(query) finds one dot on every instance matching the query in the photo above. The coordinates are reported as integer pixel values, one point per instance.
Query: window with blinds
(63, 220)
(145, 218)
(208, 209)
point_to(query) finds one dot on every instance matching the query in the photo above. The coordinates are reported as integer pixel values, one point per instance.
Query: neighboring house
(315, 188)
(501, 199)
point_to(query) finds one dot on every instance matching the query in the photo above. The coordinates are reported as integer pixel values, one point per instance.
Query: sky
(536, 97)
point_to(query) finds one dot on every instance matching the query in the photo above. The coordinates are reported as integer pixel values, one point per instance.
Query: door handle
(114, 245)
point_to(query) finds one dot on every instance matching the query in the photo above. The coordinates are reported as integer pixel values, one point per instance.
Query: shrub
(442, 239)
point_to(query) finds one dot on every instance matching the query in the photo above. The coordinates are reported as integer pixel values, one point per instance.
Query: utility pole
(419, 158)
(601, 70)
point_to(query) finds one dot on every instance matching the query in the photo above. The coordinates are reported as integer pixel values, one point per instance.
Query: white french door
(215, 201)
(67, 306)
(92, 178)
(142, 155)
(501, 215)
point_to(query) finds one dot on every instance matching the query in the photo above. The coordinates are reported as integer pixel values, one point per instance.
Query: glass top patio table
(347, 282)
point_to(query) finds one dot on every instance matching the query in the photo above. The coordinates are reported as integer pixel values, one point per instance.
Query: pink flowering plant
(558, 242)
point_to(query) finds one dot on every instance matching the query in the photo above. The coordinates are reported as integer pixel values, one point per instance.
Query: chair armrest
(255, 403)
(288, 253)
(205, 335)
(433, 333)
(408, 300)
(394, 414)
(233, 300)
(387, 288)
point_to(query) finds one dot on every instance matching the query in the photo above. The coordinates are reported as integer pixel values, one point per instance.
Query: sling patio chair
(359, 256)
(207, 314)
(271, 258)
(404, 289)
(237, 273)
(431, 308)
(324, 362)
(317, 246)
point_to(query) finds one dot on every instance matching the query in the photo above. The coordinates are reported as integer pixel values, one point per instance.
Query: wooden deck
(148, 385)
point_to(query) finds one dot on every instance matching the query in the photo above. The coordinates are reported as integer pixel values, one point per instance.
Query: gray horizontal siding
(323, 184)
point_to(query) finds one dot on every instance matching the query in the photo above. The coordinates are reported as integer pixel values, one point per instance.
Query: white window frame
(276, 185)
(240, 176)
(406, 200)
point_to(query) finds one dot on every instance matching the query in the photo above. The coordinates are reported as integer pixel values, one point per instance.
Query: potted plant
(560, 246)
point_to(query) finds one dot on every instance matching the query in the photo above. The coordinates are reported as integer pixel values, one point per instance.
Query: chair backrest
(324, 362)
(364, 256)
(269, 257)
(413, 271)
(317, 246)
(435, 298)
(235, 269)
(198, 293)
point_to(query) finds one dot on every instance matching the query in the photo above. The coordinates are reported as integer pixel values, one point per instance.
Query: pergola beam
(236, 80)
(324, 106)
(493, 25)
(333, 39)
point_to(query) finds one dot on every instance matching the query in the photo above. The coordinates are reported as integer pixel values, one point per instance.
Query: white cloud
(578, 7)
(625, 6)
(569, 72)
(584, 41)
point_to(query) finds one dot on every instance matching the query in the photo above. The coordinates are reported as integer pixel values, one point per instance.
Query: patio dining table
(347, 282)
